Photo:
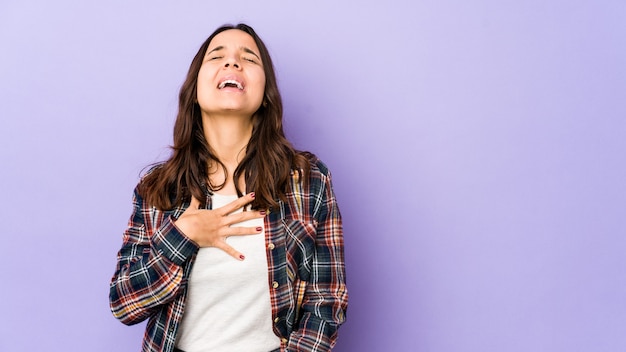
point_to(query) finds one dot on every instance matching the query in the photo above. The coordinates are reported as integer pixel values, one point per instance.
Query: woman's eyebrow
(249, 51)
(218, 48)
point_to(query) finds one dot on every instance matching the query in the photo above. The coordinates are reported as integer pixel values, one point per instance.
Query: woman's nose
(232, 62)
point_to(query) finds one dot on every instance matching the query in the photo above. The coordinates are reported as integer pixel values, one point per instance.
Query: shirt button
(276, 320)
(271, 246)
(275, 284)
(284, 340)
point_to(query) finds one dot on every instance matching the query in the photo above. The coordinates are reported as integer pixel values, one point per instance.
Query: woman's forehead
(233, 38)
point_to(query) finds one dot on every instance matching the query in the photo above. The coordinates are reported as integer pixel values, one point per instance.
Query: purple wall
(478, 154)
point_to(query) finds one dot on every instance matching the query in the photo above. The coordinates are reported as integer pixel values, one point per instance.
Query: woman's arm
(149, 269)
(326, 297)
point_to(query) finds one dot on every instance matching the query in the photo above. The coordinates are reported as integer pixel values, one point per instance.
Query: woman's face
(231, 79)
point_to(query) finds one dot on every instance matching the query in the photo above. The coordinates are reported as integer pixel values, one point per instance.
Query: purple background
(477, 149)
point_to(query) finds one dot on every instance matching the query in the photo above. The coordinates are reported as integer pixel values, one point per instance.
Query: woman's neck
(228, 137)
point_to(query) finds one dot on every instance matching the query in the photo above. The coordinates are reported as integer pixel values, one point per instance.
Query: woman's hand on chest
(210, 228)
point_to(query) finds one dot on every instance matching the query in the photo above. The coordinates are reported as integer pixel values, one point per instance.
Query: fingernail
(262, 212)
(259, 228)
(242, 257)
(252, 195)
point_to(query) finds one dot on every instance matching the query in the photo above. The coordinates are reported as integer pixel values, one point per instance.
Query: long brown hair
(269, 157)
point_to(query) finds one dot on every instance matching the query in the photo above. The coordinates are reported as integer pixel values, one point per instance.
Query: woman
(235, 243)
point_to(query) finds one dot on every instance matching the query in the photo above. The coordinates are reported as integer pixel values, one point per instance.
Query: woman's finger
(236, 204)
(229, 250)
(243, 216)
(241, 231)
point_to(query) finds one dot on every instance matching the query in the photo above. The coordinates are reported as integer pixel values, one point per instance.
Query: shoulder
(154, 188)
(149, 175)
(315, 177)
(151, 170)
(317, 168)
(312, 190)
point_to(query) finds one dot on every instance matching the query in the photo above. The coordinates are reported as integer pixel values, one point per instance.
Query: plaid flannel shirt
(304, 243)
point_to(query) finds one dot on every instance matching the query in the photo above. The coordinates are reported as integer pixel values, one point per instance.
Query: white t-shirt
(228, 302)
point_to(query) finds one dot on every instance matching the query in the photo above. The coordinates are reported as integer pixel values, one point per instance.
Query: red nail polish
(252, 195)
(262, 212)
(242, 257)
(259, 228)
